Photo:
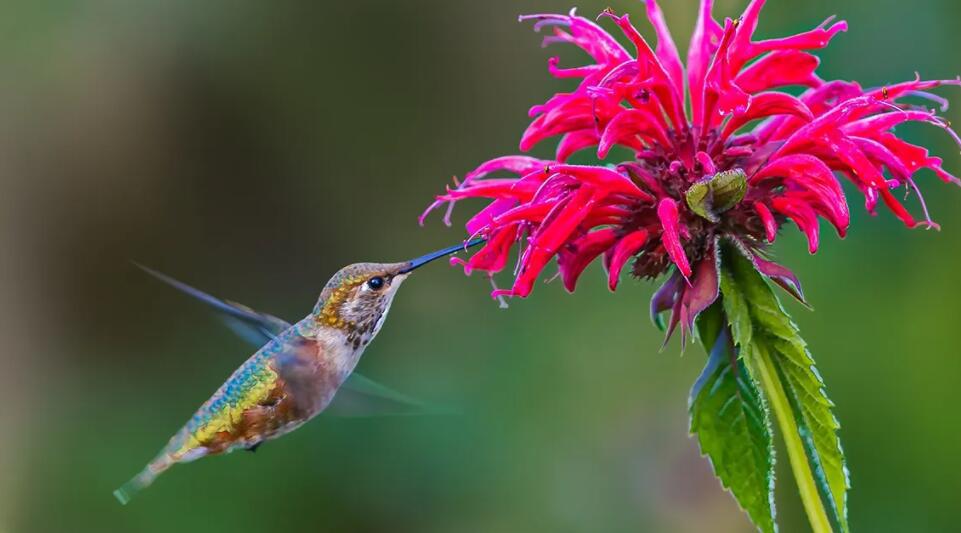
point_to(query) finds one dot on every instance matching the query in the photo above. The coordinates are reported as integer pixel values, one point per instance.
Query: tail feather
(141, 481)
(136, 484)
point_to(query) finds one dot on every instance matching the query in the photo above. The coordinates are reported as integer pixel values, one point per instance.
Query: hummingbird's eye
(375, 283)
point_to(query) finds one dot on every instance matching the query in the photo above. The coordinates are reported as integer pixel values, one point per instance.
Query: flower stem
(806, 484)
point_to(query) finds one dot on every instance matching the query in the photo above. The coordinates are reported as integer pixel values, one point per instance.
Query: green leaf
(765, 334)
(730, 420)
(817, 426)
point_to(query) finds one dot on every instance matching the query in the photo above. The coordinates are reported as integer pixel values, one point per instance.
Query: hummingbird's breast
(313, 367)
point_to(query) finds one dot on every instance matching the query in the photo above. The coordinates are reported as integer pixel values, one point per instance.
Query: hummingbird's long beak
(424, 259)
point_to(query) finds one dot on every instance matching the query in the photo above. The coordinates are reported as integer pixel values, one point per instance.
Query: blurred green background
(252, 148)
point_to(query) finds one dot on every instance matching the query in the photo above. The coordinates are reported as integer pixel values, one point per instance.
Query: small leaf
(710, 323)
(729, 188)
(699, 199)
(731, 423)
(717, 194)
(759, 323)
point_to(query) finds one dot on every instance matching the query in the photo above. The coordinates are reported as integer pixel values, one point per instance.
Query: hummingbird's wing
(358, 396)
(252, 326)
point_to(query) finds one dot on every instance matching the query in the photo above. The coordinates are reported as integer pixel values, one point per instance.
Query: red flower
(698, 174)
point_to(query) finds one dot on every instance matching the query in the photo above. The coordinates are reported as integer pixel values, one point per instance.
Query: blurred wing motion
(362, 397)
(358, 396)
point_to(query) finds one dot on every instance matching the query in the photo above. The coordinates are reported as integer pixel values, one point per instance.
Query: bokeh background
(252, 148)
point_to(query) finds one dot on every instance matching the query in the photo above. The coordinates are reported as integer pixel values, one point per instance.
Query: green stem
(807, 487)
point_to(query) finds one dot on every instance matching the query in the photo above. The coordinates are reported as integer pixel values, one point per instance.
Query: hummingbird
(296, 374)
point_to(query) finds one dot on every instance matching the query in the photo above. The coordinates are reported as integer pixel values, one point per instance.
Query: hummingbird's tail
(142, 480)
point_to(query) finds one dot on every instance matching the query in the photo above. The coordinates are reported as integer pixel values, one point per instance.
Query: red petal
(575, 141)
(603, 178)
(778, 69)
(523, 213)
(518, 164)
(493, 188)
(493, 256)
(574, 259)
(667, 213)
(663, 87)
(666, 49)
(815, 176)
(803, 215)
(599, 44)
(487, 215)
(550, 236)
(627, 124)
(765, 105)
(701, 293)
(626, 248)
(770, 225)
(809, 40)
(704, 40)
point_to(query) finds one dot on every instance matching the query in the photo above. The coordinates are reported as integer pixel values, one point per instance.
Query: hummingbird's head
(358, 296)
